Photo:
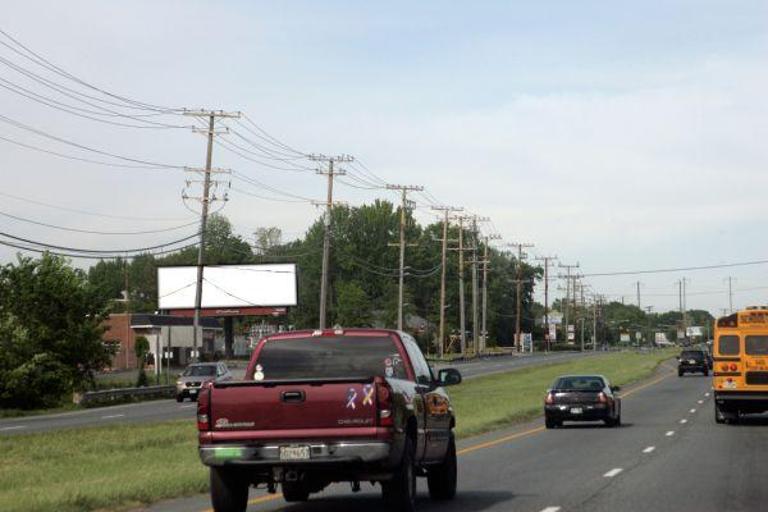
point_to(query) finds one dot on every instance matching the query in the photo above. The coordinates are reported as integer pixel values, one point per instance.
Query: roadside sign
(624, 337)
(552, 333)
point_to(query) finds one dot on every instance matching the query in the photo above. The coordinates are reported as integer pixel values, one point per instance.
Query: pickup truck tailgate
(282, 405)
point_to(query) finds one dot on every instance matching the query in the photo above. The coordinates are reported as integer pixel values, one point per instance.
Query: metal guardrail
(107, 396)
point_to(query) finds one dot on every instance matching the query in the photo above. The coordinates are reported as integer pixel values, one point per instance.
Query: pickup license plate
(294, 453)
(576, 410)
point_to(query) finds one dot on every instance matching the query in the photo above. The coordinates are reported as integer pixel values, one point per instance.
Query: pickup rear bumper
(319, 454)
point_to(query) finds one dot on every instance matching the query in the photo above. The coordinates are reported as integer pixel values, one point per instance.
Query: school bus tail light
(733, 367)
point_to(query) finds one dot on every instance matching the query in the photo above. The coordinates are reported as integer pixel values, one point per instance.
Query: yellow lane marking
(500, 440)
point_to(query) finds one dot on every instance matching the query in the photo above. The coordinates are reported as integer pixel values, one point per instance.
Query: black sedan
(582, 398)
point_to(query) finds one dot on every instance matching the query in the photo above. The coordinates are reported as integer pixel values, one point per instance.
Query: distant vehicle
(740, 379)
(693, 361)
(195, 375)
(317, 407)
(582, 398)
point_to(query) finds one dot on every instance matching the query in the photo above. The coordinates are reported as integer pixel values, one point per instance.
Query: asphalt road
(160, 410)
(669, 456)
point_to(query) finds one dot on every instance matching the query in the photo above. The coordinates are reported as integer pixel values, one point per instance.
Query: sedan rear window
(728, 345)
(579, 384)
(329, 358)
(756, 345)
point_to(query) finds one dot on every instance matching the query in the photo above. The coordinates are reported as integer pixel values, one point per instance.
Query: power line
(92, 232)
(97, 251)
(41, 133)
(86, 212)
(677, 269)
(91, 256)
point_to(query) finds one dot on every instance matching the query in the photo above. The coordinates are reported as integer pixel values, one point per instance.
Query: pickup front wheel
(229, 490)
(441, 478)
(400, 492)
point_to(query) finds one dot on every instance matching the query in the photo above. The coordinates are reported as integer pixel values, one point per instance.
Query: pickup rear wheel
(295, 491)
(441, 478)
(229, 490)
(400, 492)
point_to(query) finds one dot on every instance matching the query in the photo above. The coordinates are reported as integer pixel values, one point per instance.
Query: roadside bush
(40, 382)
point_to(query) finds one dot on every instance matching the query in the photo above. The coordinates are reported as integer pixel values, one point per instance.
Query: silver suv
(189, 382)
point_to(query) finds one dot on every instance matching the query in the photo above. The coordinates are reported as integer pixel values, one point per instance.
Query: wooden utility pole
(568, 277)
(404, 189)
(475, 285)
(519, 291)
(205, 201)
(730, 293)
(462, 312)
(446, 218)
(331, 172)
(548, 260)
(486, 261)
(638, 293)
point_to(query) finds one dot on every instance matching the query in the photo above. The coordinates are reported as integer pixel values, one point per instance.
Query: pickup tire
(441, 478)
(399, 493)
(295, 491)
(229, 490)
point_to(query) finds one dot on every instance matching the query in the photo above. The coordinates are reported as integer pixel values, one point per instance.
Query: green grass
(496, 401)
(118, 467)
(99, 468)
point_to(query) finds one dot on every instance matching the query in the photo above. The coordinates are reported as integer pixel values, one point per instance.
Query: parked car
(582, 398)
(195, 375)
(324, 406)
(693, 361)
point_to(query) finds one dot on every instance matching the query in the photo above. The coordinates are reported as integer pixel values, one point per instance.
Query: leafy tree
(142, 349)
(50, 331)
(354, 308)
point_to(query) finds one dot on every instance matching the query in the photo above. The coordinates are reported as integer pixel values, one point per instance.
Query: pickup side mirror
(448, 377)
(615, 389)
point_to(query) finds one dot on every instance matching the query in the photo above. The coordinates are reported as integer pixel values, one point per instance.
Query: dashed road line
(693, 411)
(683, 421)
(706, 394)
(551, 509)
(670, 433)
(649, 449)
(15, 427)
(112, 416)
(189, 406)
(701, 402)
(612, 473)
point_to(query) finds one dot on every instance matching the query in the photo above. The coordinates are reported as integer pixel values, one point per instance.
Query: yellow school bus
(740, 370)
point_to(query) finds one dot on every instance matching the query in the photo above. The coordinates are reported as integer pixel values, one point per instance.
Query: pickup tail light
(550, 399)
(384, 404)
(203, 408)
(602, 398)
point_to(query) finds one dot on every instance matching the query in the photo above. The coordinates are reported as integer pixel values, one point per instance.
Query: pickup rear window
(330, 357)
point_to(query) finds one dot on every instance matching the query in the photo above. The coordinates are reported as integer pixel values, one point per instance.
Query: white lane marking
(112, 416)
(701, 402)
(706, 394)
(612, 473)
(649, 449)
(683, 421)
(190, 406)
(670, 433)
(693, 411)
(551, 509)
(15, 427)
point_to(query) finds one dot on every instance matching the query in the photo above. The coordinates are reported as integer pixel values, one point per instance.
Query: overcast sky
(622, 135)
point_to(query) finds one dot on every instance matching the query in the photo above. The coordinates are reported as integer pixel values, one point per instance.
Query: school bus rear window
(756, 345)
(729, 345)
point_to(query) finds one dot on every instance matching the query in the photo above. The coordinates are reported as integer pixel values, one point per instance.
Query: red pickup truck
(317, 407)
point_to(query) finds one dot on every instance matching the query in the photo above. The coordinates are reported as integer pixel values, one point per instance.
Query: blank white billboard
(228, 286)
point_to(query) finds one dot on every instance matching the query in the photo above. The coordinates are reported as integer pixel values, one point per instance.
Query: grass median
(124, 466)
